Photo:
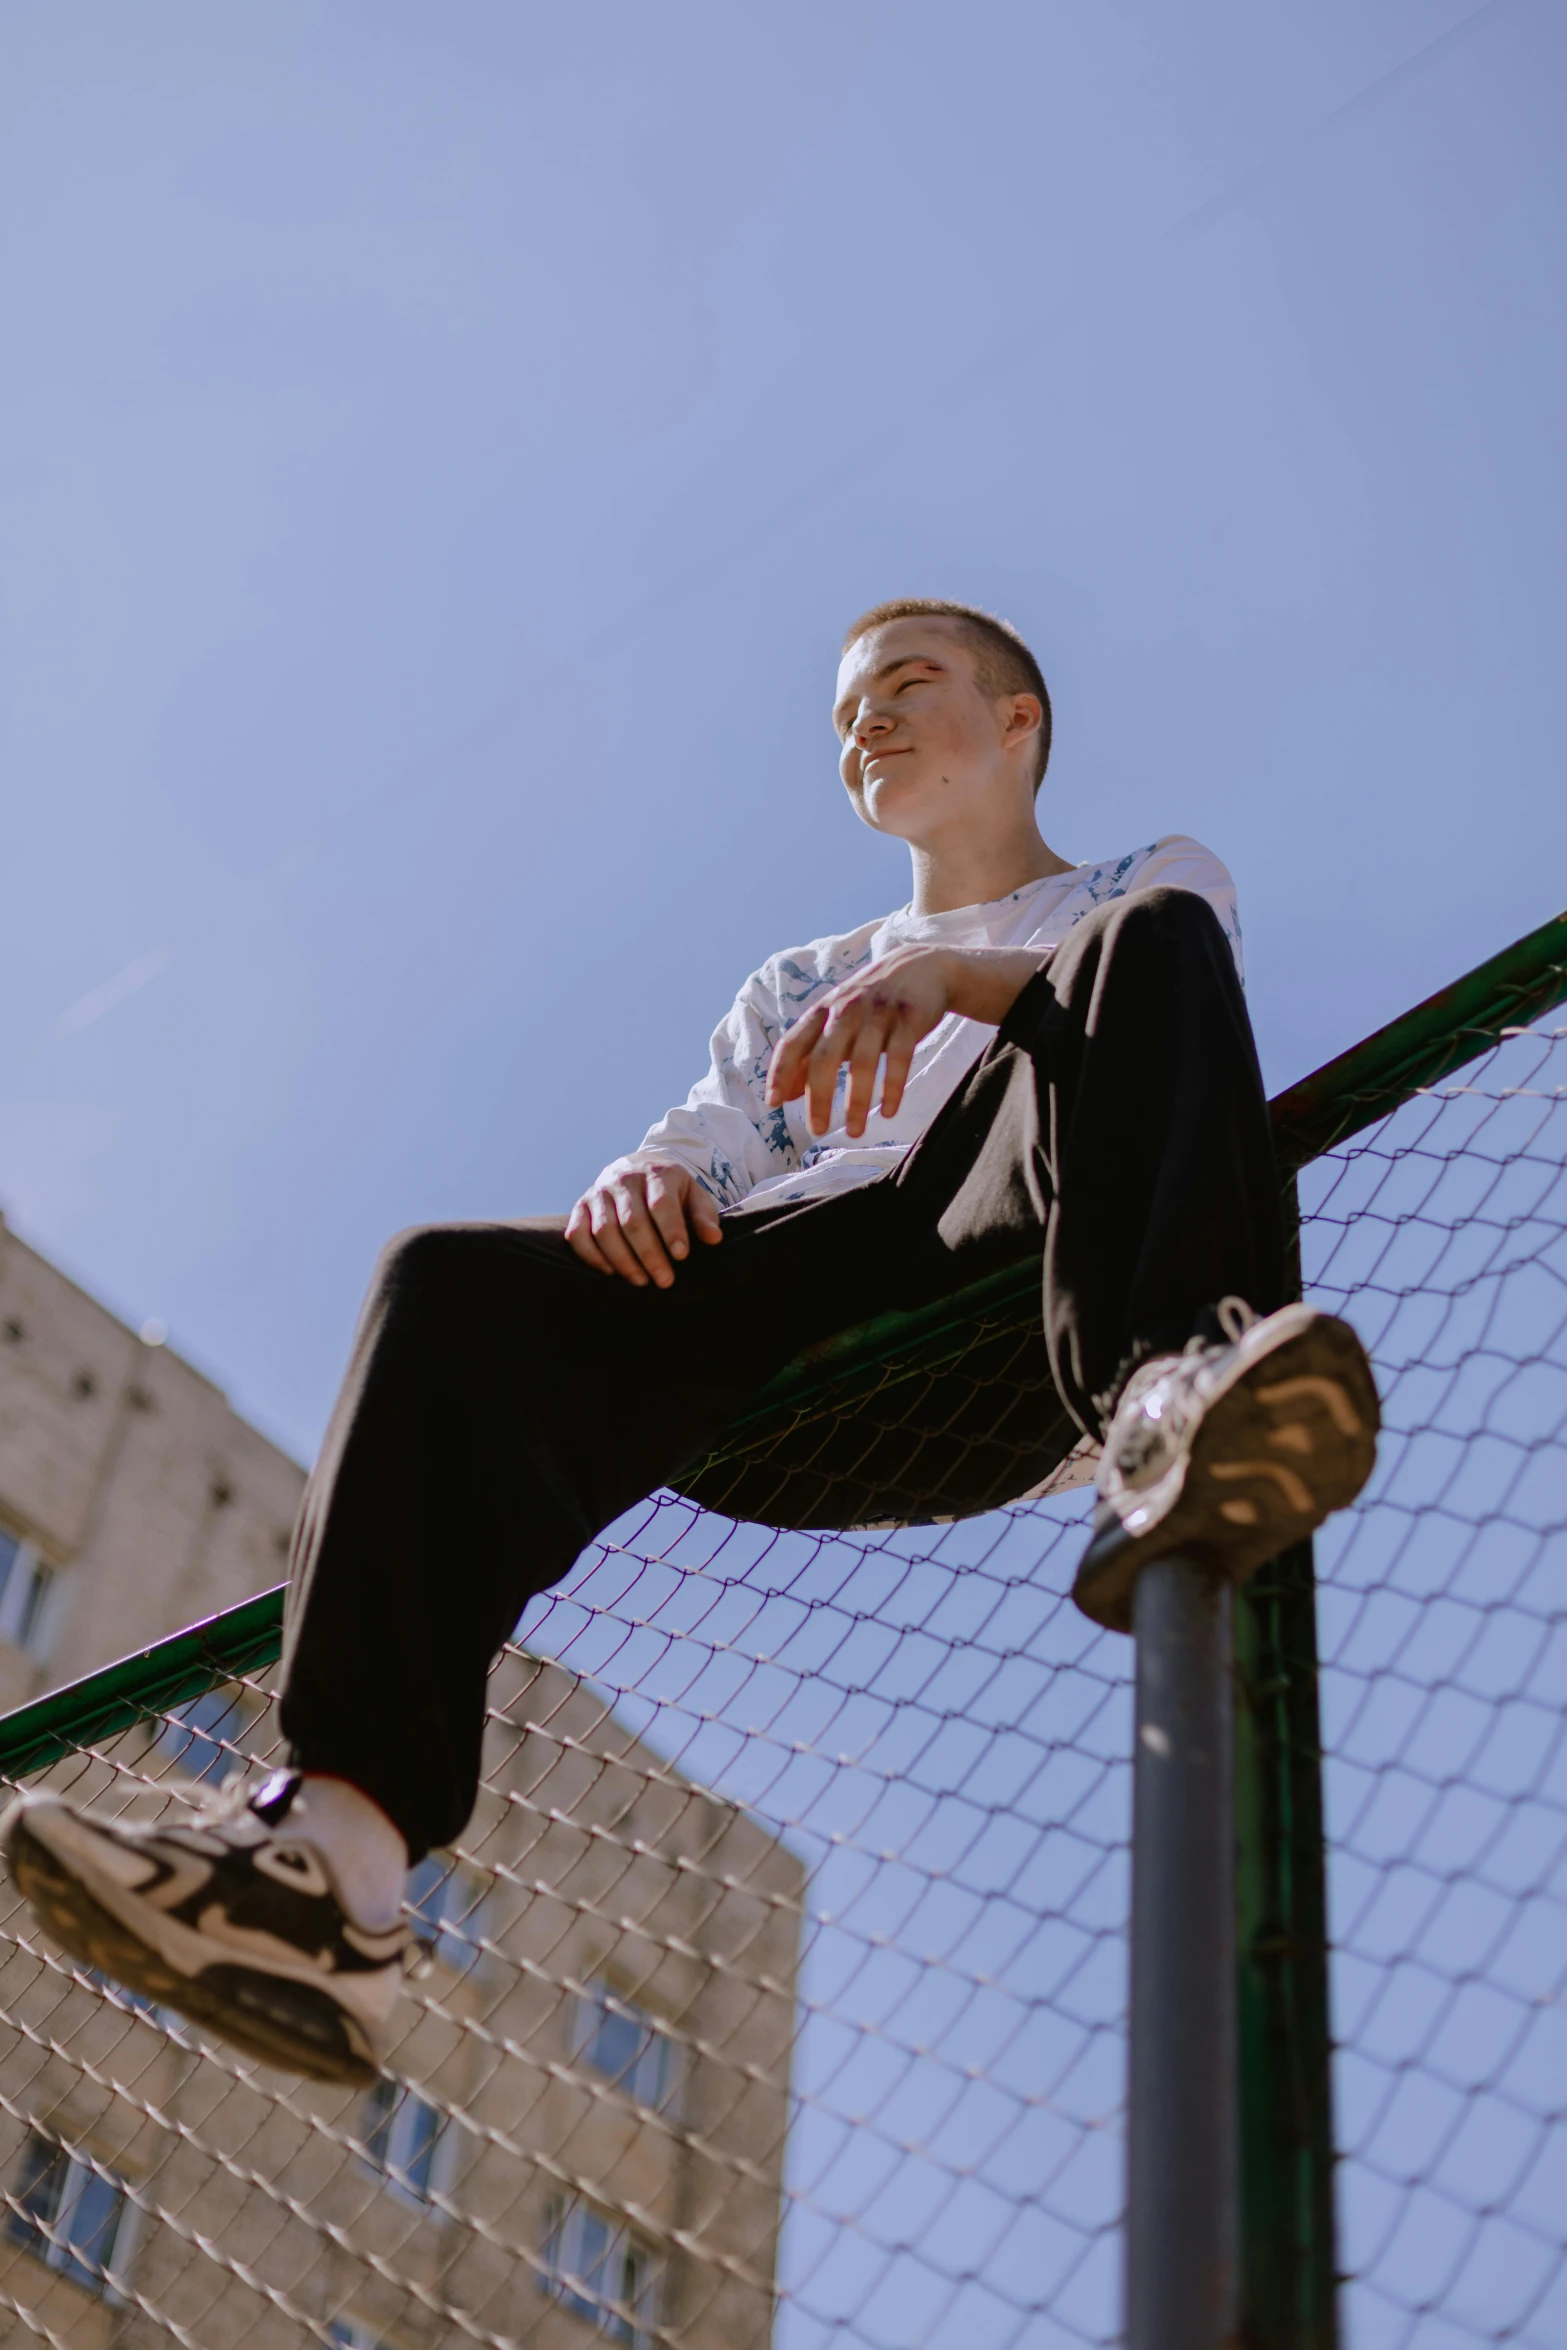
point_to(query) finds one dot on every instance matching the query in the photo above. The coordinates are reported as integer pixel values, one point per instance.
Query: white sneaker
(225, 1916)
(1232, 1451)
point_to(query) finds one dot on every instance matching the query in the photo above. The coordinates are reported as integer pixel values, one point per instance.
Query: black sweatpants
(505, 1402)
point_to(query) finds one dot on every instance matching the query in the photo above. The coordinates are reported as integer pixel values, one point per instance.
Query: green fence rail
(243, 1639)
(1287, 2206)
(784, 1426)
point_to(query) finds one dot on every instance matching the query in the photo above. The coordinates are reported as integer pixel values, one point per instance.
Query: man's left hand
(880, 1015)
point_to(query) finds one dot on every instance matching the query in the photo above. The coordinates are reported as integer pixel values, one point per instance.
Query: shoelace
(1234, 1317)
(220, 1804)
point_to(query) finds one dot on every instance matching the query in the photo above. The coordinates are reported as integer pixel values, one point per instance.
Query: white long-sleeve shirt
(750, 1156)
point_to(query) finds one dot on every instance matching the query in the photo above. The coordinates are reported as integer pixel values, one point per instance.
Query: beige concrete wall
(598, 1859)
(264, 2219)
(130, 1472)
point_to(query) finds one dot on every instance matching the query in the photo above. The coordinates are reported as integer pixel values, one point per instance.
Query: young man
(1031, 1060)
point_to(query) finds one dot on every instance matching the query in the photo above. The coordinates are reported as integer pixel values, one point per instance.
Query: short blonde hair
(1003, 664)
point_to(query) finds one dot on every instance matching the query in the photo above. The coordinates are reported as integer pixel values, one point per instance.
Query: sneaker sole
(290, 2025)
(1291, 1442)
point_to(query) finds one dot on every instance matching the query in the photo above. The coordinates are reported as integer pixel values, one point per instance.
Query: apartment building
(580, 2134)
(133, 1498)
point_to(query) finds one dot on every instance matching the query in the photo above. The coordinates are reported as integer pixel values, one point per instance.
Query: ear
(1022, 715)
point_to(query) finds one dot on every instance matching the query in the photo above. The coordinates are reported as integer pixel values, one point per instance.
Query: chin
(895, 803)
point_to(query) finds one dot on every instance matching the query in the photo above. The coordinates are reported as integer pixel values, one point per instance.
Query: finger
(587, 1248)
(900, 1059)
(612, 1241)
(667, 1209)
(828, 1057)
(786, 1076)
(702, 1209)
(639, 1230)
(864, 1061)
(579, 1233)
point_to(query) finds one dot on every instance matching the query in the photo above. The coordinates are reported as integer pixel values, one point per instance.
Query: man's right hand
(634, 1219)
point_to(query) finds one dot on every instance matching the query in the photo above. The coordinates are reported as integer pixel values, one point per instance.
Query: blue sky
(442, 446)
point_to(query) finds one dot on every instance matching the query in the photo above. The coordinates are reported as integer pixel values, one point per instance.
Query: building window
(595, 2266)
(407, 2140)
(448, 1901)
(352, 2333)
(202, 1736)
(626, 2044)
(72, 2217)
(25, 1581)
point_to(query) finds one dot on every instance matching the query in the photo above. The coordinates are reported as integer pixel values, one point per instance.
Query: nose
(869, 723)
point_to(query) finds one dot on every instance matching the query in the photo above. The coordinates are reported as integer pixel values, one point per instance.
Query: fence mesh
(776, 1992)
(1442, 1604)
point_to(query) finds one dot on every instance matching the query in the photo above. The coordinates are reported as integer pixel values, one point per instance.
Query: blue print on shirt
(724, 1180)
(806, 984)
(776, 1135)
(761, 1141)
(1101, 892)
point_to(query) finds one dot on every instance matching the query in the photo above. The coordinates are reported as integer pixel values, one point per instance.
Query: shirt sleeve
(724, 1131)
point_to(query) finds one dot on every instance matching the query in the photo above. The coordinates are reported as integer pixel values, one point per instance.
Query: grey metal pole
(1182, 2128)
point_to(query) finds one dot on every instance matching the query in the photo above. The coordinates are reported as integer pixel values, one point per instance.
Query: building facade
(581, 2131)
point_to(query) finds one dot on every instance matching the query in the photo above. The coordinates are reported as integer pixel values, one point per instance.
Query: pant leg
(1120, 1113)
(503, 1403)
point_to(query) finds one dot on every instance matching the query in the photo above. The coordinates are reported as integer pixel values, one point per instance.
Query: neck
(949, 873)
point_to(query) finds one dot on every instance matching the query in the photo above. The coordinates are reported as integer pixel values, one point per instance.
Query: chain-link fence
(776, 1993)
(1443, 1609)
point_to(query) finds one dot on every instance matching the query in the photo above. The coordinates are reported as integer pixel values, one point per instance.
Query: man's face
(923, 743)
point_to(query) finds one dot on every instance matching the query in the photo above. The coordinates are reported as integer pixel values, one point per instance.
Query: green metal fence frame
(1288, 2275)
(1289, 2279)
